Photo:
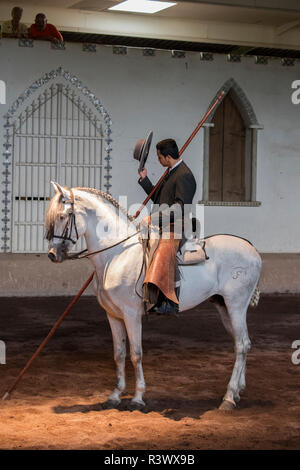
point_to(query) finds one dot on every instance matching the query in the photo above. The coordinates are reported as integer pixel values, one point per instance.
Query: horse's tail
(255, 297)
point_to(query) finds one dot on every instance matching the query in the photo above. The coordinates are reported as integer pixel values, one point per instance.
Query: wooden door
(227, 153)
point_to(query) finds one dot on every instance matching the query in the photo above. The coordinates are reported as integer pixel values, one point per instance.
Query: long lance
(200, 124)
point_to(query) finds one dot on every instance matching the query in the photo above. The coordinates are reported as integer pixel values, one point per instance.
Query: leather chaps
(162, 270)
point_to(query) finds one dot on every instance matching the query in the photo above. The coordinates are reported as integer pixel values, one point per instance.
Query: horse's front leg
(119, 339)
(133, 324)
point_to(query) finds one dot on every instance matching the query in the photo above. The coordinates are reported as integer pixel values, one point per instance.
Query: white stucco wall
(170, 96)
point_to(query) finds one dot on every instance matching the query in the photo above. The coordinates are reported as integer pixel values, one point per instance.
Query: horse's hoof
(110, 404)
(227, 406)
(136, 405)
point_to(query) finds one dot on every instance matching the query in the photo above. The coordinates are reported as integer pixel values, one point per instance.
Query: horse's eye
(62, 217)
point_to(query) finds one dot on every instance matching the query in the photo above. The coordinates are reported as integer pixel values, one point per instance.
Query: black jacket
(179, 186)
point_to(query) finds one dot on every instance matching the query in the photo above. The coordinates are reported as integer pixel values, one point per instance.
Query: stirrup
(167, 307)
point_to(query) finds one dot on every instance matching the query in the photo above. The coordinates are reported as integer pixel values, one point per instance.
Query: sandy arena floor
(187, 365)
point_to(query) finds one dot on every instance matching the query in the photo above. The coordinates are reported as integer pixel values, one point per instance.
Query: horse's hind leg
(242, 345)
(219, 303)
(222, 309)
(134, 331)
(119, 340)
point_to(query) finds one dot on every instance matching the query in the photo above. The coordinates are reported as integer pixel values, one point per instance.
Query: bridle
(70, 224)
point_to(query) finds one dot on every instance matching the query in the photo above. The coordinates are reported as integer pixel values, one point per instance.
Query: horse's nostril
(52, 256)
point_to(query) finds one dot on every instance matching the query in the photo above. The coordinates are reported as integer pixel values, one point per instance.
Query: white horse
(230, 276)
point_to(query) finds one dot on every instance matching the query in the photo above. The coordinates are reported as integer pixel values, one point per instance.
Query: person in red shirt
(42, 30)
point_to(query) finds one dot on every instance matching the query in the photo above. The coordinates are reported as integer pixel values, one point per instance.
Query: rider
(178, 188)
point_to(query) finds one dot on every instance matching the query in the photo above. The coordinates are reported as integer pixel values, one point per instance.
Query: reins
(77, 255)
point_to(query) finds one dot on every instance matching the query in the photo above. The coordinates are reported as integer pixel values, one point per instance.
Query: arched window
(230, 141)
(63, 135)
(58, 138)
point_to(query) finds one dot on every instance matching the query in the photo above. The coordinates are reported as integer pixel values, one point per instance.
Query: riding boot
(168, 307)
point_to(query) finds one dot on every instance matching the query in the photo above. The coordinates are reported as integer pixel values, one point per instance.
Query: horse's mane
(109, 198)
(56, 206)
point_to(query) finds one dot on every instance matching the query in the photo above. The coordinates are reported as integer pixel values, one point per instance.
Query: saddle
(161, 258)
(192, 252)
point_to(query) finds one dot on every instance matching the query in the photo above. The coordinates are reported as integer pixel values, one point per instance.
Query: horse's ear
(63, 191)
(56, 187)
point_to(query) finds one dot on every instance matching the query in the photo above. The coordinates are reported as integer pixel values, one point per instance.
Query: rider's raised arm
(147, 186)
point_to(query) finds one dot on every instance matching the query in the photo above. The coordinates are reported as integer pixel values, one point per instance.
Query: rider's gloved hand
(146, 221)
(143, 173)
(144, 227)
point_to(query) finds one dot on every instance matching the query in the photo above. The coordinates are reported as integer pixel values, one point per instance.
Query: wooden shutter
(227, 154)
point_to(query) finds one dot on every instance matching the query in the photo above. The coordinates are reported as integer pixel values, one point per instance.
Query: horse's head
(63, 227)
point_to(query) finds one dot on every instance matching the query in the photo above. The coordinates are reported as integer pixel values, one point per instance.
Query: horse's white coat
(232, 271)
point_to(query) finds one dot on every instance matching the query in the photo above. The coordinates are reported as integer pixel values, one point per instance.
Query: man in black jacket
(178, 188)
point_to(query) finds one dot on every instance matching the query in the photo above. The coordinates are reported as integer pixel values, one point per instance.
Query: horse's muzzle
(52, 256)
(55, 257)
